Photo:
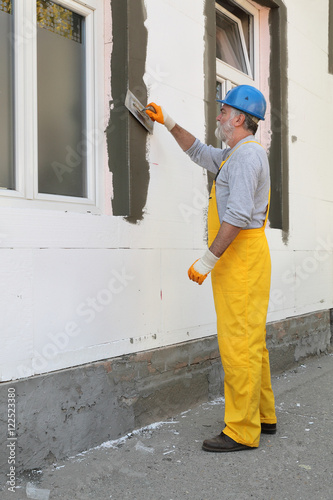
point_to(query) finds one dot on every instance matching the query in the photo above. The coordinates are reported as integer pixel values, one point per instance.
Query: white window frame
(229, 75)
(25, 96)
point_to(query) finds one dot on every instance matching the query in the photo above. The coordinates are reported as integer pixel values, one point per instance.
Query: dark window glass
(7, 177)
(62, 148)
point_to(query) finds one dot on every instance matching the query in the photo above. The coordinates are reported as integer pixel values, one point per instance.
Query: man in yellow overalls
(239, 261)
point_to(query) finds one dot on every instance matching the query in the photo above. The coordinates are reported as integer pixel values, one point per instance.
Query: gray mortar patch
(126, 138)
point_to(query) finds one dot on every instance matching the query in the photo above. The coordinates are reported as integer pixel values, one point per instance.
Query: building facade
(101, 329)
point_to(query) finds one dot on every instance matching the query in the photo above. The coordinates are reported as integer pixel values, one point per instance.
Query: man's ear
(240, 119)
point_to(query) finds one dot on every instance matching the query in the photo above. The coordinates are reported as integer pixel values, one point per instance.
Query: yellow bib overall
(241, 284)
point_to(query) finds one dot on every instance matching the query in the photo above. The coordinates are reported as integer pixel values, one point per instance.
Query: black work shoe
(268, 428)
(223, 443)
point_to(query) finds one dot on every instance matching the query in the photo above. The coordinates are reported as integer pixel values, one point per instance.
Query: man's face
(224, 129)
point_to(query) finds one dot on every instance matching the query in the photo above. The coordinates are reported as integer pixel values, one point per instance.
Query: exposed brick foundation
(63, 413)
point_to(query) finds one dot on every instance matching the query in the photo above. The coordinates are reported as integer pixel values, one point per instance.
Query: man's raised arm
(184, 138)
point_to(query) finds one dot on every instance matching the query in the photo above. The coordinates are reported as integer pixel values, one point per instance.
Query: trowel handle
(150, 108)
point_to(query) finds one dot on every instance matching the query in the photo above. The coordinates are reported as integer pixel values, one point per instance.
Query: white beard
(224, 132)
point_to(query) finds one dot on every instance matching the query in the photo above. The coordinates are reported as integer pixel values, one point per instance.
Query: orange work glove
(159, 115)
(200, 269)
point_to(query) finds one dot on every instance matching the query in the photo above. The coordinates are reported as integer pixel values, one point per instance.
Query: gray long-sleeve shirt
(242, 186)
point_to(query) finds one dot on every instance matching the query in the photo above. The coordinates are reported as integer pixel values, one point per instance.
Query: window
(230, 41)
(52, 83)
(237, 43)
(61, 103)
(7, 180)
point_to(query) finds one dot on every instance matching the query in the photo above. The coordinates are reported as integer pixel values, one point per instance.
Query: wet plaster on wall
(210, 71)
(139, 167)
(126, 138)
(210, 76)
(279, 151)
(330, 37)
(278, 83)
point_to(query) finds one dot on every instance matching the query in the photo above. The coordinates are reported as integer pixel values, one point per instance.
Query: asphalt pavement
(165, 461)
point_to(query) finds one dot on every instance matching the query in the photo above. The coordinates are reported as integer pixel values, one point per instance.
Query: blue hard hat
(247, 99)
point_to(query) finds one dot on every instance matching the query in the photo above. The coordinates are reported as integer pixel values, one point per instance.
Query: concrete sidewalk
(165, 461)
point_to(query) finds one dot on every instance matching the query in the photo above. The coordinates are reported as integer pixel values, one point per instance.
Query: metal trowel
(137, 109)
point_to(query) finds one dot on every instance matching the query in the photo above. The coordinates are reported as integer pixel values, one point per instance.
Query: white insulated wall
(302, 278)
(77, 288)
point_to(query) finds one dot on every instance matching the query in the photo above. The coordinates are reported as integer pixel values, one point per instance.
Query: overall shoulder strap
(268, 206)
(227, 158)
